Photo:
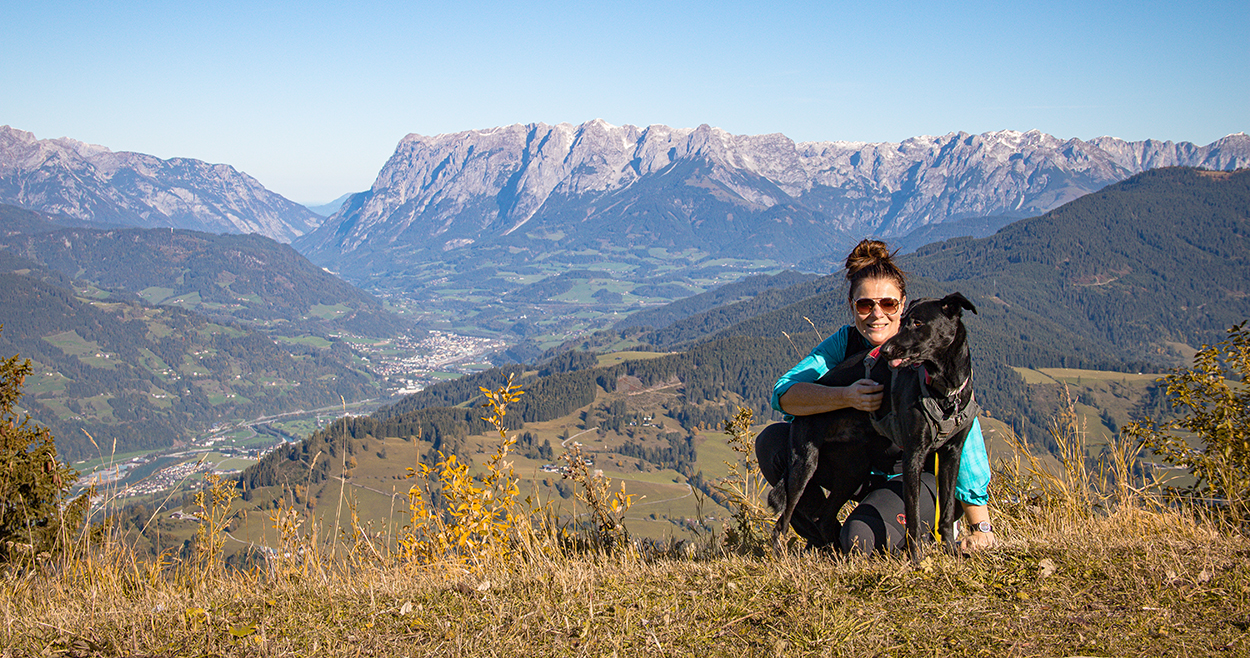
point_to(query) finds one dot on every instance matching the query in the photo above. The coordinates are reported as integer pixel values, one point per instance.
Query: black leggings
(878, 523)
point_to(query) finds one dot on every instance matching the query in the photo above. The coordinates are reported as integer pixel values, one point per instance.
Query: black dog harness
(943, 422)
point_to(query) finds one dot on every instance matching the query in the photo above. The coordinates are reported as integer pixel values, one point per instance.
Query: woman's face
(877, 326)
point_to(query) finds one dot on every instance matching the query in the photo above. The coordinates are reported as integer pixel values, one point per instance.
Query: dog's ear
(914, 302)
(956, 301)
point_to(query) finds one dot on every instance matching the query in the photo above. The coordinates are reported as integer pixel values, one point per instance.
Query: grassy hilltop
(1090, 563)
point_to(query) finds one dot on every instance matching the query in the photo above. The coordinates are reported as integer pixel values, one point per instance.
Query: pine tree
(33, 482)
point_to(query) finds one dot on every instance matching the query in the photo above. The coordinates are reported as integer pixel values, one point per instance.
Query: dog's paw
(779, 545)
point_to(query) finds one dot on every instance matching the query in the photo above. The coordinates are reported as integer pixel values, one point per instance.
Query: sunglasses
(888, 305)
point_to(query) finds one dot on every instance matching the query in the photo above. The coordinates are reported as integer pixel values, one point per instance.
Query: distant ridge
(94, 184)
(327, 209)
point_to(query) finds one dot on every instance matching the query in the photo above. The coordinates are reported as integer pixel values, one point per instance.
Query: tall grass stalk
(1052, 497)
(744, 488)
(482, 525)
(607, 507)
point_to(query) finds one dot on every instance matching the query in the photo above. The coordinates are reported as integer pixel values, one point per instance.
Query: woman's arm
(972, 484)
(830, 351)
(805, 399)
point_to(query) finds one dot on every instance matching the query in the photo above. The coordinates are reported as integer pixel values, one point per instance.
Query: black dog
(837, 446)
(927, 407)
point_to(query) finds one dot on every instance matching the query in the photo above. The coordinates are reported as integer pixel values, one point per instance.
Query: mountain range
(103, 187)
(327, 209)
(461, 223)
(514, 193)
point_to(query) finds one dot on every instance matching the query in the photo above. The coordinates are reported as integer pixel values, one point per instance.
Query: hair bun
(872, 259)
(868, 254)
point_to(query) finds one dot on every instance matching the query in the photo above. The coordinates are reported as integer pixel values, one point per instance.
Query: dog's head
(927, 329)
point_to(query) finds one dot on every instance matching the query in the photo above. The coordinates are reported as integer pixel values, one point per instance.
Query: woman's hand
(977, 541)
(864, 395)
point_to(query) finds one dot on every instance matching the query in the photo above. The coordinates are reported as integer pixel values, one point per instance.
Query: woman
(877, 295)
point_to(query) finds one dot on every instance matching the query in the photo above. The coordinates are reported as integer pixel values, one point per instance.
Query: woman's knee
(858, 537)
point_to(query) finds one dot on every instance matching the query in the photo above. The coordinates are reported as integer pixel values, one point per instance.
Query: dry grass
(1091, 563)
(1135, 583)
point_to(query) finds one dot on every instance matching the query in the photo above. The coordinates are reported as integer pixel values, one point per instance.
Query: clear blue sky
(312, 98)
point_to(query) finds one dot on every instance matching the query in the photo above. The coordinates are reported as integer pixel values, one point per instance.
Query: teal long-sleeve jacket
(972, 485)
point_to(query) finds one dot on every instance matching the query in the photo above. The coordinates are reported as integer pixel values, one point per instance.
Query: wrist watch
(981, 526)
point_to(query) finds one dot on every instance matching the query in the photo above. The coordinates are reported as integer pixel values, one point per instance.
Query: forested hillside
(149, 377)
(241, 278)
(16, 221)
(708, 381)
(1162, 257)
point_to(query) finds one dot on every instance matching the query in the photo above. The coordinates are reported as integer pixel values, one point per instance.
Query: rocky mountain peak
(95, 184)
(604, 183)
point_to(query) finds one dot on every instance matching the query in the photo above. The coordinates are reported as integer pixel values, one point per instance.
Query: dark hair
(872, 259)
